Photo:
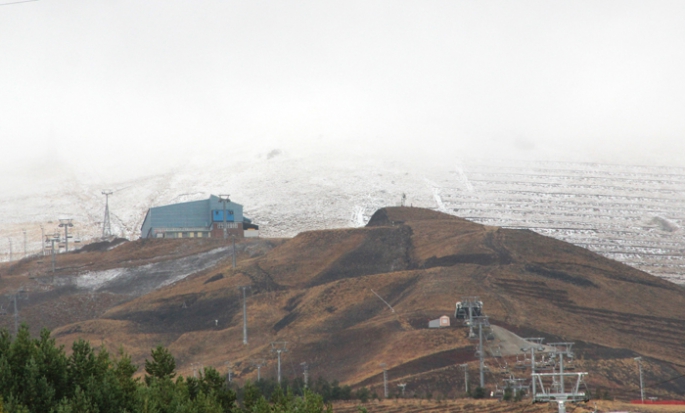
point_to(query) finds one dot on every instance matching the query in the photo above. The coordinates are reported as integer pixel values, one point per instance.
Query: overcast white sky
(143, 85)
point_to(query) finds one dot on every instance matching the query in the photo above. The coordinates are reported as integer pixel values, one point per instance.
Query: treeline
(328, 391)
(36, 376)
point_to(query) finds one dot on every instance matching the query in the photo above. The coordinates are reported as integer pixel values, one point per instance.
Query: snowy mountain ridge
(634, 214)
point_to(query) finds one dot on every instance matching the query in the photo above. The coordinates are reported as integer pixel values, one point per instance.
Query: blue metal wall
(194, 214)
(218, 215)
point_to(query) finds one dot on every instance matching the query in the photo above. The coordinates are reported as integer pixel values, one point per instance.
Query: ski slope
(634, 214)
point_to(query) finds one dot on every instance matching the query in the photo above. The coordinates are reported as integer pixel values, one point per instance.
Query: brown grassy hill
(315, 292)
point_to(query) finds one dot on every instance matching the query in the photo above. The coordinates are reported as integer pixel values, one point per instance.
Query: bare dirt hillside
(316, 292)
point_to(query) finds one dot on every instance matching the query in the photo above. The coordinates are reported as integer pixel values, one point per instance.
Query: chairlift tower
(245, 287)
(536, 343)
(481, 321)
(278, 347)
(66, 224)
(55, 238)
(465, 367)
(106, 223)
(305, 372)
(228, 372)
(224, 199)
(557, 391)
(467, 309)
(20, 294)
(258, 364)
(561, 350)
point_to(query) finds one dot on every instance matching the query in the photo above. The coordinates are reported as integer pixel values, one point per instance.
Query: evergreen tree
(162, 365)
(251, 395)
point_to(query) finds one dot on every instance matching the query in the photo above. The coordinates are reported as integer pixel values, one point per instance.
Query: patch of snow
(95, 280)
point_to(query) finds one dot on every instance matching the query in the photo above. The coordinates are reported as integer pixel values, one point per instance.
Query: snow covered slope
(633, 214)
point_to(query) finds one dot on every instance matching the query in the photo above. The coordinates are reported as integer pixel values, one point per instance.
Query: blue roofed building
(198, 219)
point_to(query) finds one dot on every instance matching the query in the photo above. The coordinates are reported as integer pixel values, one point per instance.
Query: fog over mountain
(312, 114)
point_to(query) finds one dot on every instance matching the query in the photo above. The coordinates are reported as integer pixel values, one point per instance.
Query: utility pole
(224, 198)
(66, 224)
(10, 239)
(385, 379)
(278, 347)
(305, 372)
(106, 223)
(244, 287)
(402, 386)
(639, 366)
(24, 231)
(466, 377)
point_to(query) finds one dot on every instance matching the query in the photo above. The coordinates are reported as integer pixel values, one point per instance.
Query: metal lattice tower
(639, 366)
(106, 223)
(279, 347)
(385, 379)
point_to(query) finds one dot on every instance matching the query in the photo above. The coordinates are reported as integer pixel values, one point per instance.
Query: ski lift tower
(536, 344)
(557, 391)
(20, 294)
(467, 309)
(481, 321)
(66, 224)
(278, 347)
(258, 364)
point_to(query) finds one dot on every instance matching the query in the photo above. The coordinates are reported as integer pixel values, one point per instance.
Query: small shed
(443, 321)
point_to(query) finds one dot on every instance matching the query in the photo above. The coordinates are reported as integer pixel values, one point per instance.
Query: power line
(17, 2)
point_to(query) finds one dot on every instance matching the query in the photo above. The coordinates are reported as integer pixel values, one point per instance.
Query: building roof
(193, 214)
